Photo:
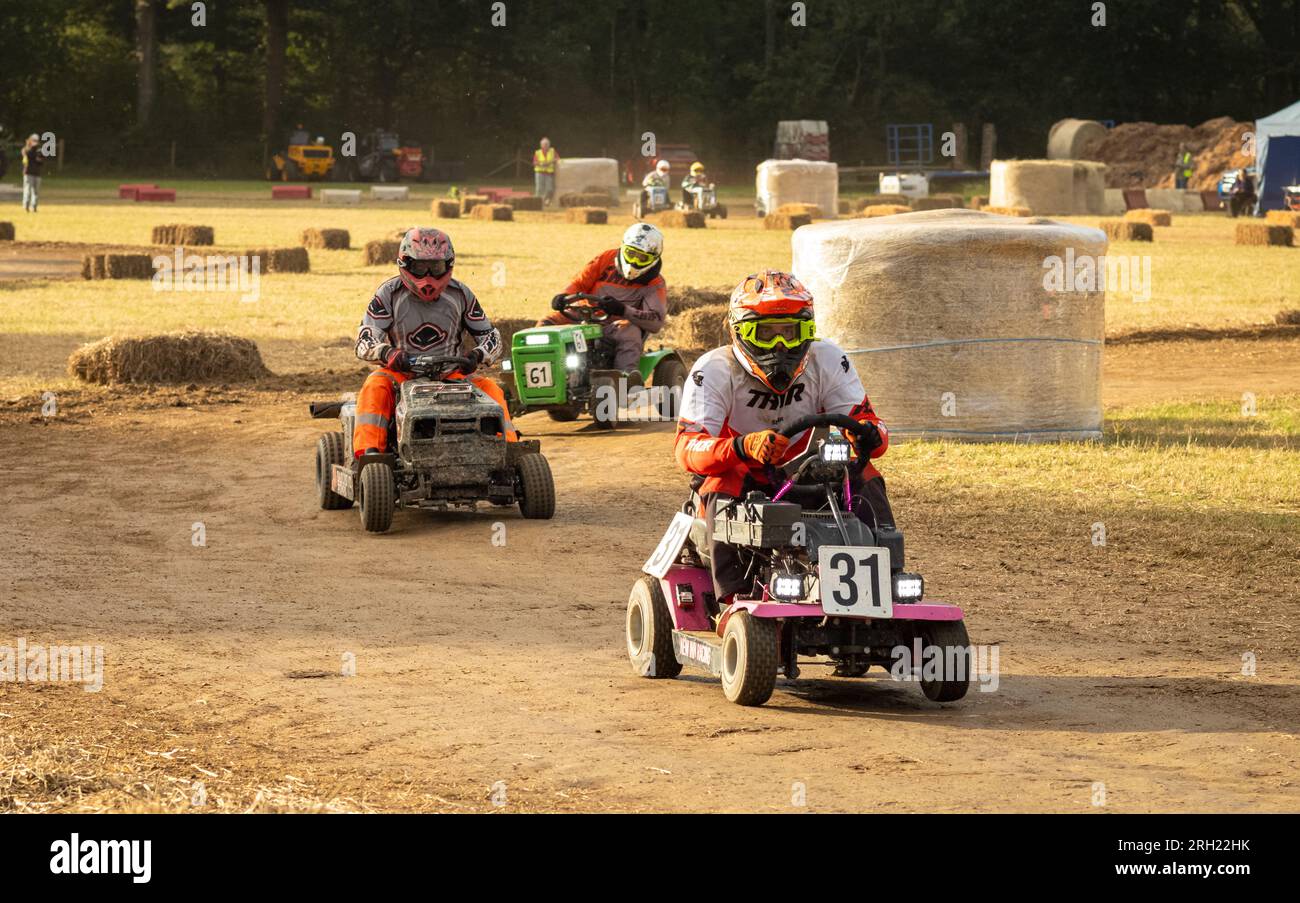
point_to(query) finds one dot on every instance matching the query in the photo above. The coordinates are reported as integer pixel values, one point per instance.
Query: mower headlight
(571, 361)
(507, 365)
(908, 587)
(835, 452)
(537, 338)
(787, 586)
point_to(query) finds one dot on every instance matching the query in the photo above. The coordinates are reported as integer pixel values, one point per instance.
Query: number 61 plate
(855, 580)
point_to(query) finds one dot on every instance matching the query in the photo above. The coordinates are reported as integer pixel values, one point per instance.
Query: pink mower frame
(684, 588)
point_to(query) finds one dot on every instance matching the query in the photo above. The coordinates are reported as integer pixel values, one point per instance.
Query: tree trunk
(277, 39)
(146, 53)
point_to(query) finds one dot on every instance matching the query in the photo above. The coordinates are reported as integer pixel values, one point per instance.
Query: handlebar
(430, 366)
(586, 313)
(812, 421)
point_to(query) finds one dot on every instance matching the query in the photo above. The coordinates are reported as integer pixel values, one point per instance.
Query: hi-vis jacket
(395, 318)
(723, 401)
(544, 160)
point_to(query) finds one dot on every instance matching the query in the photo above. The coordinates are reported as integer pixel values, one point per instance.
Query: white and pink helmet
(424, 261)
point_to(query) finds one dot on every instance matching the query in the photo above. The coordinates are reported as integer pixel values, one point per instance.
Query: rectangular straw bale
(799, 209)
(1007, 211)
(380, 252)
(885, 210)
(1272, 234)
(445, 208)
(128, 266)
(470, 201)
(937, 202)
(875, 200)
(680, 219)
(1127, 230)
(495, 212)
(786, 221)
(594, 216)
(329, 239)
(697, 328)
(1151, 215)
(1288, 218)
(526, 202)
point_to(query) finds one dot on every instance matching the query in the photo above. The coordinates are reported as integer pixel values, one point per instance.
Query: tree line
(121, 80)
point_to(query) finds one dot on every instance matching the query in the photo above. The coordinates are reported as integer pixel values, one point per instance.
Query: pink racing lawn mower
(825, 585)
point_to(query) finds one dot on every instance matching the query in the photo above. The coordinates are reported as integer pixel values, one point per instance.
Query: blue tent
(1277, 156)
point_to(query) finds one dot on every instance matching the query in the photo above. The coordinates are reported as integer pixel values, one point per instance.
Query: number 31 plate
(855, 580)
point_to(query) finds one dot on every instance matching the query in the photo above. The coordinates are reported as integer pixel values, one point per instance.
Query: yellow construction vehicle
(302, 159)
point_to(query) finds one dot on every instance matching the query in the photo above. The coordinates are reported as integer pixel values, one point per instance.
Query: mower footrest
(701, 648)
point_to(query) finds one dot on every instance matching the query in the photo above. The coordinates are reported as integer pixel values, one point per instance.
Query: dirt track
(477, 663)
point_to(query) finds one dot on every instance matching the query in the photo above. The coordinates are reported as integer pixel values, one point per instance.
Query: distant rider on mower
(637, 296)
(655, 178)
(420, 311)
(696, 178)
(738, 397)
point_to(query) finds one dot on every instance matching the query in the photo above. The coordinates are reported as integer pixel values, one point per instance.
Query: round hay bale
(526, 202)
(885, 210)
(173, 358)
(470, 201)
(953, 325)
(6, 231)
(811, 210)
(679, 219)
(1272, 234)
(1006, 211)
(687, 298)
(446, 208)
(937, 202)
(786, 221)
(1127, 230)
(698, 328)
(1070, 138)
(495, 212)
(1150, 216)
(1049, 187)
(875, 200)
(1288, 218)
(587, 175)
(128, 266)
(380, 252)
(592, 216)
(329, 239)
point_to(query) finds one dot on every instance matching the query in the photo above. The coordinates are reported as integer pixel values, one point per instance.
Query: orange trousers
(378, 398)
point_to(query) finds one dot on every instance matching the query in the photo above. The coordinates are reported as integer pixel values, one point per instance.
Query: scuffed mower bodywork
(447, 450)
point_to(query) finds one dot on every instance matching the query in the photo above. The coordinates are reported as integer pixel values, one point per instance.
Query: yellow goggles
(638, 258)
(768, 333)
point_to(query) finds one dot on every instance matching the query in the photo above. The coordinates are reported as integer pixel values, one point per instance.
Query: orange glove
(765, 447)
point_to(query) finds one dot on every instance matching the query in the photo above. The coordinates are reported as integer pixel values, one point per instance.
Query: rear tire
(377, 498)
(564, 413)
(648, 631)
(536, 487)
(669, 374)
(329, 451)
(954, 658)
(604, 388)
(749, 659)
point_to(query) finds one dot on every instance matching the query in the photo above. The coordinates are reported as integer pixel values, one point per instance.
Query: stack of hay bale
(329, 239)
(1049, 187)
(182, 234)
(951, 324)
(117, 266)
(587, 175)
(781, 182)
(469, 201)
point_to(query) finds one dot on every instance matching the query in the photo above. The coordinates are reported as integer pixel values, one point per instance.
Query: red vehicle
(679, 156)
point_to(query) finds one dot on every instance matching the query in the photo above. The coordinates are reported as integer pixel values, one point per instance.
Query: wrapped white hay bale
(781, 182)
(1176, 200)
(1049, 187)
(390, 192)
(1114, 202)
(964, 324)
(1069, 138)
(586, 174)
(340, 196)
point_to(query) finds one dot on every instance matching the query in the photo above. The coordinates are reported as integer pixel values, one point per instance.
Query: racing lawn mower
(1291, 198)
(654, 198)
(569, 370)
(704, 198)
(451, 452)
(824, 584)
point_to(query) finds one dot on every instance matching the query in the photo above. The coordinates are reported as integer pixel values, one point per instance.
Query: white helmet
(643, 246)
(663, 166)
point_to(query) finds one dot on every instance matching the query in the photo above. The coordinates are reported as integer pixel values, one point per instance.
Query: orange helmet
(771, 325)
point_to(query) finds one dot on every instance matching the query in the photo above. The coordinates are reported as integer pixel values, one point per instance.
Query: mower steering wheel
(843, 422)
(431, 367)
(585, 313)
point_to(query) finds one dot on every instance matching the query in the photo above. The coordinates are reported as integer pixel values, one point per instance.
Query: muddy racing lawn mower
(824, 584)
(451, 453)
(568, 370)
(653, 199)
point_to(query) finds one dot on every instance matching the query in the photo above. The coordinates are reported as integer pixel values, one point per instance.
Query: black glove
(612, 307)
(560, 301)
(396, 359)
(867, 440)
(475, 358)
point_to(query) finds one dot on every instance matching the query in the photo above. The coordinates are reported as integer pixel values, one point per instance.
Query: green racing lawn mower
(568, 370)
